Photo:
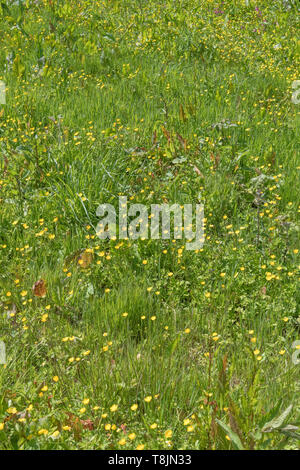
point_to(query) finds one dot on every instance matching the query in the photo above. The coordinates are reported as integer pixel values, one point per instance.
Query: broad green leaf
(232, 435)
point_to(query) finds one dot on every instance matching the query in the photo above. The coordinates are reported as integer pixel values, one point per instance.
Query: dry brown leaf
(199, 173)
(40, 288)
(87, 424)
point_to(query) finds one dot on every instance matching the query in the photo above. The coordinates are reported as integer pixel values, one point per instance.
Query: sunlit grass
(143, 344)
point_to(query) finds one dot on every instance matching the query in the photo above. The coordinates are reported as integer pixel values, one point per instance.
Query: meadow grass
(123, 344)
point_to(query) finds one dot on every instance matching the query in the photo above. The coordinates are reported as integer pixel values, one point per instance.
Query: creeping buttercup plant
(142, 344)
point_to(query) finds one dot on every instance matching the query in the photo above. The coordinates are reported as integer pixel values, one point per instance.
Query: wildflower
(11, 410)
(168, 434)
(113, 408)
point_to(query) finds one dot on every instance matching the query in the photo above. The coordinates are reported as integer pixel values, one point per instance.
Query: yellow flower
(86, 401)
(44, 317)
(114, 408)
(82, 410)
(168, 434)
(55, 434)
(148, 399)
(66, 428)
(11, 410)
(134, 407)
(44, 389)
(132, 436)
(55, 378)
(153, 426)
(122, 442)
(43, 432)
(140, 447)
(1, 426)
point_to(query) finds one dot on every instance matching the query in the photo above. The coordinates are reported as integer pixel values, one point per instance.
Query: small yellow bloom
(168, 434)
(134, 407)
(11, 410)
(114, 408)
